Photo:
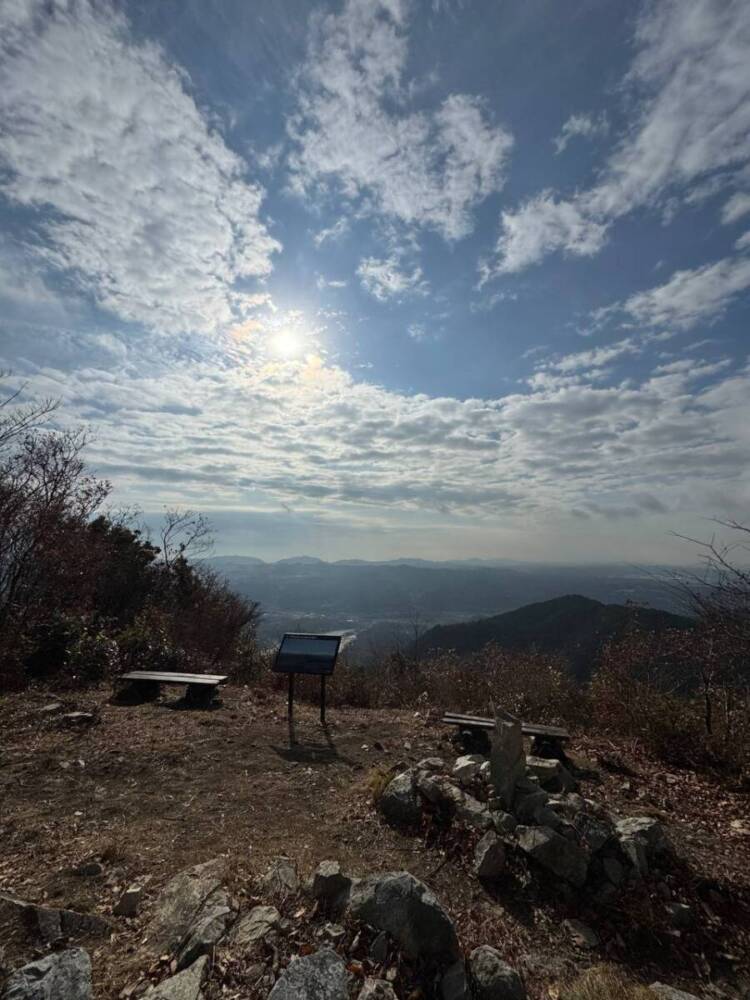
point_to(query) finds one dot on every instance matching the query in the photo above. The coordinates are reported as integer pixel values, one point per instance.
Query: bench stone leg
(199, 695)
(549, 747)
(472, 739)
(145, 690)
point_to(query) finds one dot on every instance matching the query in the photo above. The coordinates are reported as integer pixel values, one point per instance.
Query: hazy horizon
(388, 278)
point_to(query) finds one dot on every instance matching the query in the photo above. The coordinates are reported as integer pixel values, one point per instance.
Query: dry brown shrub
(604, 982)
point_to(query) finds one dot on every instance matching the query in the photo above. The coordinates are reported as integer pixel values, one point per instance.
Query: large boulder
(489, 857)
(321, 976)
(399, 802)
(330, 887)
(507, 761)
(493, 978)
(49, 924)
(183, 901)
(402, 905)
(254, 927)
(208, 929)
(555, 853)
(186, 985)
(64, 975)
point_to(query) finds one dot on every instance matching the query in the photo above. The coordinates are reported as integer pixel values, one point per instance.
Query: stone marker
(507, 762)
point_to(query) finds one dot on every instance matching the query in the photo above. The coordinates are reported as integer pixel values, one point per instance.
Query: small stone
(330, 886)
(485, 771)
(334, 932)
(90, 869)
(321, 976)
(493, 978)
(649, 830)
(489, 857)
(431, 764)
(64, 975)
(505, 823)
(473, 812)
(552, 776)
(282, 879)
(593, 832)
(186, 985)
(581, 934)
(129, 902)
(51, 708)
(467, 767)
(75, 719)
(377, 989)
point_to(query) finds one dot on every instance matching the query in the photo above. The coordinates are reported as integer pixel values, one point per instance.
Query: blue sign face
(307, 654)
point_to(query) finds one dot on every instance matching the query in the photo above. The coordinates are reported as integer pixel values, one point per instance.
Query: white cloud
(354, 133)
(386, 279)
(595, 357)
(743, 242)
(690, 85)
(737, 206)
(541, 226)
(150, 210)
(691, 296)
(332, 233)
(322, 282)
(586, 126)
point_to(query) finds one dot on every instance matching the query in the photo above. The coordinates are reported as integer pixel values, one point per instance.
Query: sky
(380, 278)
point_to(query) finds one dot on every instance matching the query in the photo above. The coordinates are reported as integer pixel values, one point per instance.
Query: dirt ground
(154, 788)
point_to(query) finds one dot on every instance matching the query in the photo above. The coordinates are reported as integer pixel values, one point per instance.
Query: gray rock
(399, 802)
(79, 719)
(438, 790)
(282, 879)
(507, 763)
(647, 829)
(593, 832)
(49, 924)
(552, 776)
(489, 857)
(90, 869)
(208, 929)
(51, 708)
(581, 934)
(330, 886)
(431, 764)
(254, 926)
(186, 985)
(379, 949)
(321, 976)
(455, 984)
(555, 853)
(473, 812)
(403, 906)
(505, 823)
(129, 902)
(64, 975)
(635, 851)
(377, 989)
(671, 992)
(493, 978)
(181, 903)
(485, 771)
(613, 870)
(467, 768)
(528, 803)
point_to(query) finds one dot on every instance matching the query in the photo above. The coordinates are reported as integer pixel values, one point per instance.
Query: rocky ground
(100, 813)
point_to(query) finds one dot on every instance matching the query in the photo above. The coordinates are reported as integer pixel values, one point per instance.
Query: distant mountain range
(573, 626)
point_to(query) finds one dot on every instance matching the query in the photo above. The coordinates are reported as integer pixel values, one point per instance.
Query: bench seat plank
(164, 677)
(480, 722)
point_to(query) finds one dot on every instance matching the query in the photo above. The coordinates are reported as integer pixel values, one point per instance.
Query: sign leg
(291, 694)
(322, 699)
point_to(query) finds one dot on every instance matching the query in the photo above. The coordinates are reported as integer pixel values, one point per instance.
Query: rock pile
(528, 805)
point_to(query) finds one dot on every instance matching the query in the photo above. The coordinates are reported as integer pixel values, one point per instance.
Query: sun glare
(286, 344)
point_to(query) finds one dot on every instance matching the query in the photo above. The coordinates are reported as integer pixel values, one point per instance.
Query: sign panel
(301, 653)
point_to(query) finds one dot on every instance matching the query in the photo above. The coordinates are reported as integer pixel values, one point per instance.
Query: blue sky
(389, 277)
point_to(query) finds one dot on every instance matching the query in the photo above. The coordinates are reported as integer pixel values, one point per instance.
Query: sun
(286, 344)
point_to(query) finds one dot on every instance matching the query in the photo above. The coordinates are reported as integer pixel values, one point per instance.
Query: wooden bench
(546, 741)
(200, 688)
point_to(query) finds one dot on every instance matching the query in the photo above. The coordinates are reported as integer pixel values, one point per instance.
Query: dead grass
(605, 982)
